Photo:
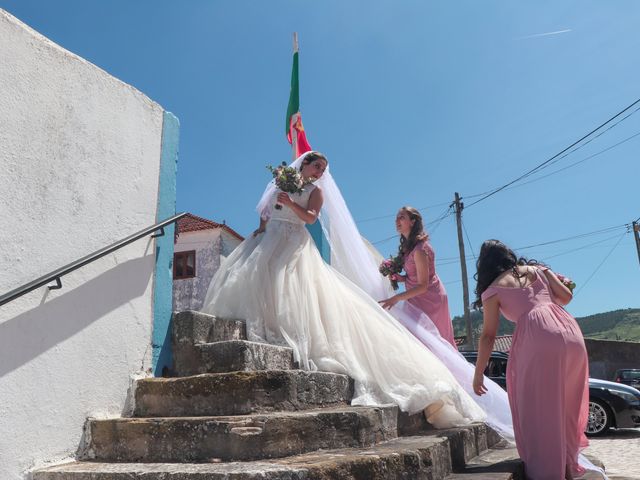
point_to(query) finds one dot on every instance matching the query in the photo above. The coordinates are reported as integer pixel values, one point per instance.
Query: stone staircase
(240, 410)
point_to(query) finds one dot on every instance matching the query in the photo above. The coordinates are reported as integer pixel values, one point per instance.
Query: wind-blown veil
(357, 260)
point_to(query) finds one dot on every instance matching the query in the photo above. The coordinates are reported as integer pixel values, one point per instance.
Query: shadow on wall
(32, 333)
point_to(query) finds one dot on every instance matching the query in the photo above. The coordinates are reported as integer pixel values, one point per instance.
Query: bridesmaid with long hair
(547, 372)
(423, 287)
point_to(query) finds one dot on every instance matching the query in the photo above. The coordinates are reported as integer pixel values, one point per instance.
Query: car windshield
(630, 374)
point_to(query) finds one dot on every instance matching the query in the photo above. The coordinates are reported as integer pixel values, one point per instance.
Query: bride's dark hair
(496, 258)
(416, 234)
(312, 157)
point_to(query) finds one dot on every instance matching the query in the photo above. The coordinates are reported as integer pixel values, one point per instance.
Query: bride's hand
(389, 302)
(478, 384)
(398, 278)
(258, 231)
(284, 199)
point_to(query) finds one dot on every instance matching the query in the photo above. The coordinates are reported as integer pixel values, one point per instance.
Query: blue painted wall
(163, 282)
(321, 241)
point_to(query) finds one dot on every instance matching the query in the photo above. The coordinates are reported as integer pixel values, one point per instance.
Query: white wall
(80, 153)
(211, 246)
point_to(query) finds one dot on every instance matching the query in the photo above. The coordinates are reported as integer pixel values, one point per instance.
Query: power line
(384, 240)
(394, 214)
(436, 223)
(601, 263)
(557, 254)
(468, 241)
(573, 164)
(549, 160)
(450, 260)
(553, 160)
(593, 138)
(582, 235)
(580, 248)
(433, 224)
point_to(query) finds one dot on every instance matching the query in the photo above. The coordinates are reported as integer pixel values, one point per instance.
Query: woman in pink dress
(423, 287)
(547, 373)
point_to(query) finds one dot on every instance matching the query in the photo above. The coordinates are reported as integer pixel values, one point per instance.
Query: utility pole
(459, 206)
(636, 234)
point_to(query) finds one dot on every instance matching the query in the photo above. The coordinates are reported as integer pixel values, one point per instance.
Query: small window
(184, 264)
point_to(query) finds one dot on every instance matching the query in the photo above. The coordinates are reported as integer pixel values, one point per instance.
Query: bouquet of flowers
(392, 267)
(567, 282)
(288, 179)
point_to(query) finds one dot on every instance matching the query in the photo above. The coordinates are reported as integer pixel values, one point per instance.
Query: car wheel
(599, 418)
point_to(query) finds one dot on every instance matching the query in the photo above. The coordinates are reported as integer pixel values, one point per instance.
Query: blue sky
(410, 100)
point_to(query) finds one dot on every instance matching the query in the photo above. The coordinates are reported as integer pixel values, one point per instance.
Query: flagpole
(294, 138)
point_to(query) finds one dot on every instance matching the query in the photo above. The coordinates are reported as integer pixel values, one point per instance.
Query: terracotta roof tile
(503, 343)
(193, 223)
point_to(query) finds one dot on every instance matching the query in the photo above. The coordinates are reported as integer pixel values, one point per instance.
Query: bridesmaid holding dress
(547, 373)
(423, 288)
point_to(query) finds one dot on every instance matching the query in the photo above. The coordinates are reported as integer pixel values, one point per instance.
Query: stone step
(501, 462)
(197, 327)
(233, 356)
(250, 437)
(417, 457)
(240, 393)
(190, 329)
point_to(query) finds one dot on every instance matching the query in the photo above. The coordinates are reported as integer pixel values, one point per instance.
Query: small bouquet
(392, 267)
(288, 179)
(566, 281)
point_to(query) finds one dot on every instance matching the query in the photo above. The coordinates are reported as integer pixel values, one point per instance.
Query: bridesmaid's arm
(261, 228)
(422, 272)
(561, 294)
(491, 318)
(307, 215)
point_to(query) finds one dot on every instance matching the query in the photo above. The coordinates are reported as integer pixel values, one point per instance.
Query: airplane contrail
(544, 34)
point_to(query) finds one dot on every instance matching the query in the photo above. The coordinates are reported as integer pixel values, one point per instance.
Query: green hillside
(616, 325)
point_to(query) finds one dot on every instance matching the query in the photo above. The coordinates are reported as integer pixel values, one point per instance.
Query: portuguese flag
(294, 129)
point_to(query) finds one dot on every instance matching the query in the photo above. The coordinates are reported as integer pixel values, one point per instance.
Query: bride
(277, 282)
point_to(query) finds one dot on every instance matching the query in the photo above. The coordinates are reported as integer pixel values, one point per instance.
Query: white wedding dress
(278, 283)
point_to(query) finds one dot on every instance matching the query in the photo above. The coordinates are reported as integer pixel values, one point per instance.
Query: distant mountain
(616, 325)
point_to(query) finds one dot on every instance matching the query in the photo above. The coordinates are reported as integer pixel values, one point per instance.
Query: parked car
(611, 404)
(628, 376)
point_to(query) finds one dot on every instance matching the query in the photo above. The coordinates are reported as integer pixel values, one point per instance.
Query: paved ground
(619, 450)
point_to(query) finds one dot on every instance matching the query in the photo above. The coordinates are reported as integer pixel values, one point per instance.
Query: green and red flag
(294, 128)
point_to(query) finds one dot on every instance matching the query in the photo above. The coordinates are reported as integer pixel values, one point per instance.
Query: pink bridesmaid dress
(547, 379)
(434, 301)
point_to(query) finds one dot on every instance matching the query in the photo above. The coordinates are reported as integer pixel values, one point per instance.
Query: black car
(611, 404)
(496, 368)
(628, 376)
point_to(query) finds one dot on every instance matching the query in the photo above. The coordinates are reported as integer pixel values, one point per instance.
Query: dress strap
(488, 293)
(540, 271)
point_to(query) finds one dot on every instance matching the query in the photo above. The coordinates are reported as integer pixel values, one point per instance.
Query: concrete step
(418, 457)
(240, 393)
(232, 356)
(250, 437)
(501, 462)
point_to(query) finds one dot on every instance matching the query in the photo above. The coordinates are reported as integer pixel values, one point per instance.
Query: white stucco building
(87, 160)
(200, 246)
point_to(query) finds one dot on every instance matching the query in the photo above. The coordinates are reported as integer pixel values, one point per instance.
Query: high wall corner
(162, 359)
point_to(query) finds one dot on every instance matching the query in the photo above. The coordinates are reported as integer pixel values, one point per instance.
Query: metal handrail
(60, 272)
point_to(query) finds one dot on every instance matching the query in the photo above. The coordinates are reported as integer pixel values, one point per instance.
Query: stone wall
(211, 247)
(606, 356)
